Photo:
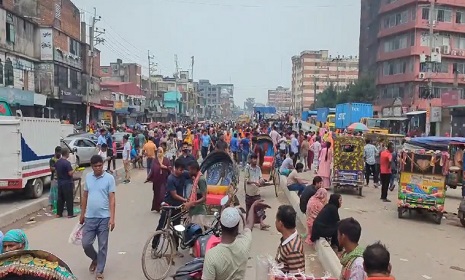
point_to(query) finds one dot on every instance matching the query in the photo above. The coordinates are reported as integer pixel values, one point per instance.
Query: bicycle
(276, 177)
(168, 234)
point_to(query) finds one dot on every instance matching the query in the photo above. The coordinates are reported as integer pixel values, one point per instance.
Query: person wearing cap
(228, 260)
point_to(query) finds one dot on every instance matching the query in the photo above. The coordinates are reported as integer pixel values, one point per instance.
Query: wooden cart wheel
(438, 218)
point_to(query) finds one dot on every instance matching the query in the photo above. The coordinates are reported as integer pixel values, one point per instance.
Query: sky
(245, 42)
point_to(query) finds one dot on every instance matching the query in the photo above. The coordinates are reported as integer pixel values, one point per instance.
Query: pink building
(402, 31)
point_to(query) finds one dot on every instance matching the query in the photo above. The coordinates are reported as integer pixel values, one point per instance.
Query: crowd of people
(172, 154)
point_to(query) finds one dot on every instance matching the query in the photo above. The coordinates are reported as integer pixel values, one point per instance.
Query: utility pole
(176, 87)
(94, 37)
(432, 22)
(152, 70)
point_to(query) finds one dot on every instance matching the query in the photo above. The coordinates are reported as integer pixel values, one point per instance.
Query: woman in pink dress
(324, 170)
(314, 206)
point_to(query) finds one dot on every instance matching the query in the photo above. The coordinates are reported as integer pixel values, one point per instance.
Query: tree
(328, 98)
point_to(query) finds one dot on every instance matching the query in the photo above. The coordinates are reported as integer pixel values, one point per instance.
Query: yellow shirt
(150, 148)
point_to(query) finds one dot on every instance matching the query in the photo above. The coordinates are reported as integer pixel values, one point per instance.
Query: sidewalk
(23, 208)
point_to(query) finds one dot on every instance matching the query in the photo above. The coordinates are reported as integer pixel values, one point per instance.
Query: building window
(396, 19)
(61, 77)
(425, 13)
(396, 66)
(9, 73)
(460, 67)
(436, 67)
(10, 29)
(460, 17)
(443, 14)
(396, 43)
(74, 47)
(73, 78)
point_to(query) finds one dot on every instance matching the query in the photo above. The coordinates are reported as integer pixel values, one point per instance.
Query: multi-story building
(218, 99)
(314, 71)
(280, 98)
(122, 72)
(61, 70)
(226, 99)
(403, 75)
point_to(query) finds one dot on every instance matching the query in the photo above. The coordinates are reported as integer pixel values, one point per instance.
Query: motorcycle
(201, 244)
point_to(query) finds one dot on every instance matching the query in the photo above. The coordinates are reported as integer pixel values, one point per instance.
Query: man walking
(149, 151)
(385, 161)
(98, 214)
(369, 154)
(206, 142)
(126, 159)
(64, 172)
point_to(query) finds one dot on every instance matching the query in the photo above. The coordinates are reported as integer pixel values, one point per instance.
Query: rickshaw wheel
(400, 211)
(438, 218)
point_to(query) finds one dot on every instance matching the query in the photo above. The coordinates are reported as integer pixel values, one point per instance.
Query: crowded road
(134, 224)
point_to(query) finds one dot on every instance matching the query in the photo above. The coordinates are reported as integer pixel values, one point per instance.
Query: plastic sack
(262, 267)
(76, 235)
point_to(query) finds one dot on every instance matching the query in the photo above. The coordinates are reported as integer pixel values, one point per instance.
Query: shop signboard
(69, 95)
(17, 96)
(46, 44)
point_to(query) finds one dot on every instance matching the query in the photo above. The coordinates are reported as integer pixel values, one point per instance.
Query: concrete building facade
(314, 71)
(280, 98)
(395, 52)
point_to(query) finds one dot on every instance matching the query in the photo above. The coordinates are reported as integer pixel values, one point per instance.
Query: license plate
(3, 183)
(349, 177)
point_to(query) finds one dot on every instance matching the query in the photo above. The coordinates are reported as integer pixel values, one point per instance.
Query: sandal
(264, 227)
(99, 277)
(93, 266)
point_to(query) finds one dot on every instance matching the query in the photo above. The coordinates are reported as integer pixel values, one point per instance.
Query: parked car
(90, 136)
(84, 149)
(118, 138)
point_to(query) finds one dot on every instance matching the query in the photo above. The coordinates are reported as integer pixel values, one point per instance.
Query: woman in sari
(13, 240)
(324, 169)
(158, 175)
(314, 206)
(196, 146)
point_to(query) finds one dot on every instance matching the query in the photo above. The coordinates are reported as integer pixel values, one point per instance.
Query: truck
(325, 117)
(28, 144)
(349, 113)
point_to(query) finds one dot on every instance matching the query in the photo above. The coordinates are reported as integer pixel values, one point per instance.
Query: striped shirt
(291, 254)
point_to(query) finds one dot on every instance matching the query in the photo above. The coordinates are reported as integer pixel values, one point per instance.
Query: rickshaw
(455, 174)
(348, 164)
(33, 265)
(269, 171)
(423, 182)
(222, 176)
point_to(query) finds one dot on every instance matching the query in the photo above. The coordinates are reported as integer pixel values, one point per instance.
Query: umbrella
(358, 127)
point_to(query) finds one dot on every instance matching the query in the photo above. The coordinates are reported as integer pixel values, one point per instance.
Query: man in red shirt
(385, 159)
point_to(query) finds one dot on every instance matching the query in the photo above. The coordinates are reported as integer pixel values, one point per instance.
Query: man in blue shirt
(98, 214)
(102, 138)
(206, 142)
(175, 196)
(234, 146)
(245, 147)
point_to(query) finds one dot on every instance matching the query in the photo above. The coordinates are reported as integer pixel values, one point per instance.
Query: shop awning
(122, 111)
(415, 113)
(101, 107)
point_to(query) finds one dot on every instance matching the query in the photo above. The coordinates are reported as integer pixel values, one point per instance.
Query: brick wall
(60, 40)
(65, 17)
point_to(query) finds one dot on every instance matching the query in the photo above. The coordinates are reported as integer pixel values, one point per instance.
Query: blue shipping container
(349, 113)
(322, 114)
(305, 116)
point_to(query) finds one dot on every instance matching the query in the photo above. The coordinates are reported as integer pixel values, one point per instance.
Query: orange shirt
(385, 159)
(381, 278)
(150, 148)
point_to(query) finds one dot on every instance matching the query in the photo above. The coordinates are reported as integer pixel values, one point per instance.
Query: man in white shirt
(288, 165)
(275, 136)
(228, 260)
(126, 159)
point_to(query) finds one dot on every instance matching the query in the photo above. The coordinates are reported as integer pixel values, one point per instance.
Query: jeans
(161, 225)
(391, 182)
(385, 179)
(204, 152)
(245, 156)
(299, 188)
(65, 195)
(149, 164)
(371, 169)
(96, 227)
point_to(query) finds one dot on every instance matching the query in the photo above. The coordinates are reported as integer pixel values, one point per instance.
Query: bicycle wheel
(161, 258)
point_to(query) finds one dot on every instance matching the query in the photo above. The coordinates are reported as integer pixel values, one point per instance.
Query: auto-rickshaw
(423, 182)
(455, 174)
(348, 164)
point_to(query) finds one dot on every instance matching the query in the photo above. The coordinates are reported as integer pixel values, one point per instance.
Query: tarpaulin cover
(435, 142)
(265, 110)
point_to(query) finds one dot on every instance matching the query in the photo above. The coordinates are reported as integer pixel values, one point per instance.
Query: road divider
(325, 253)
